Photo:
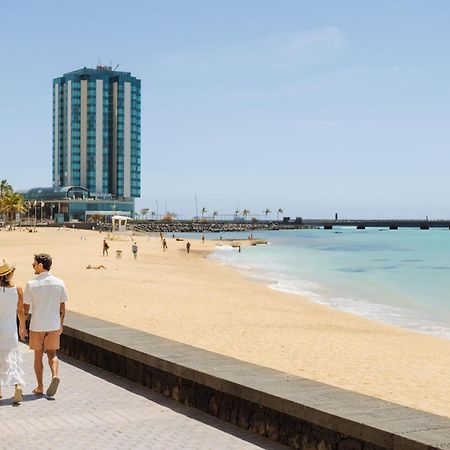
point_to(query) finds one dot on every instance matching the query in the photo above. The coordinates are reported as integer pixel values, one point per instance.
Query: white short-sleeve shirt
(45, 293)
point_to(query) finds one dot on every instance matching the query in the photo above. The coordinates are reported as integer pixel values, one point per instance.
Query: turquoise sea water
(401, 277)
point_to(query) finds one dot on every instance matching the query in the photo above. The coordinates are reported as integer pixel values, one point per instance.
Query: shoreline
(397, 316)
(197, 301)
(401, 314)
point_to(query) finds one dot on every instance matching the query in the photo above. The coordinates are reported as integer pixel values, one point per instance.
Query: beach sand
(191, 299)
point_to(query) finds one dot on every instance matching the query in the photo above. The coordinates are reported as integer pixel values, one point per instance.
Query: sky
(317, 107)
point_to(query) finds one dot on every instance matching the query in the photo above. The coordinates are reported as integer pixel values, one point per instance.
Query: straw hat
(6, 267)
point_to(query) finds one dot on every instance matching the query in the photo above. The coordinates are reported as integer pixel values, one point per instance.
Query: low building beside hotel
(74, 203)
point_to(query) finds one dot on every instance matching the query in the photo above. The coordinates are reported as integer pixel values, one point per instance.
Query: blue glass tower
(97, 132)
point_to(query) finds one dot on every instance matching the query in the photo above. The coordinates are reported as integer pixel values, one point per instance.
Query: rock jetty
(150, 226)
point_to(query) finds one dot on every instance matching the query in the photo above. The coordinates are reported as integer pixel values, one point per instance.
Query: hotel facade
(97, 131)
(96, 143)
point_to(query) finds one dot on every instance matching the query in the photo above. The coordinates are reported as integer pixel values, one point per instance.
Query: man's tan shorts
(44, 340)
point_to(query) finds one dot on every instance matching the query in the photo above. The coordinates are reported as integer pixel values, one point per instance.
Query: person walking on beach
(105, 248)
(134, 250)
(188, 246)
(164, 244)
(11, 306)
(47, 296)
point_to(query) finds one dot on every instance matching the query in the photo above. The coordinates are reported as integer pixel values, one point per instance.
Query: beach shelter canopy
(119, 223)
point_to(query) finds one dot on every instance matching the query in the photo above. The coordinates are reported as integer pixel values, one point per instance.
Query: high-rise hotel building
(97, 132)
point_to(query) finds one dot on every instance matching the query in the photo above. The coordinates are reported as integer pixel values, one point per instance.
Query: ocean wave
(280, 280)
(392, 315)
(224, 248)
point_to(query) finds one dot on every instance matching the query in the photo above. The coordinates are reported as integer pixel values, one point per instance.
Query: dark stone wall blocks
(288, 429)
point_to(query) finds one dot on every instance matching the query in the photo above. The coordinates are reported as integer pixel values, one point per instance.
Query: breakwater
(392, 224)
(211, 227)
(189, 226)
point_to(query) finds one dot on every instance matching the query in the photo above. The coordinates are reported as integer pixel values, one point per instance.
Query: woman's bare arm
(21, 314)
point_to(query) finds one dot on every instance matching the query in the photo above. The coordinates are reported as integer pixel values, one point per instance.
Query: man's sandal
(53, 387)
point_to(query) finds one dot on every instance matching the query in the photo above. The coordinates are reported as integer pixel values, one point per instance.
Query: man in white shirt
(47, 296)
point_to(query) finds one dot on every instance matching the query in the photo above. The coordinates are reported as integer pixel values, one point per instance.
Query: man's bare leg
(39, 371)
(53, 362)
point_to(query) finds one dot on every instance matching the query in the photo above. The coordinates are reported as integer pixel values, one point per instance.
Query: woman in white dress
(11, 307)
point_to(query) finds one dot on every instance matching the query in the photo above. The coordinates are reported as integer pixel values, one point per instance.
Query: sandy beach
(191, 299)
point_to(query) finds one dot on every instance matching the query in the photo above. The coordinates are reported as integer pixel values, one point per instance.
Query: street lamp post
(35, 214)
(114, 213)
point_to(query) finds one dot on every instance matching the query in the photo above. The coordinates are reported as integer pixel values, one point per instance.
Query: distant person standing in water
(47, 295)
(11, 306)
(134, 250)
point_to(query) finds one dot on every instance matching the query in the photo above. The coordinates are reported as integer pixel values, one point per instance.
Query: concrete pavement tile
(95, 409)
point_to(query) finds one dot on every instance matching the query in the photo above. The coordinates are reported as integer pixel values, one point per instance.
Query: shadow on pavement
(171, 404)
(26, 398)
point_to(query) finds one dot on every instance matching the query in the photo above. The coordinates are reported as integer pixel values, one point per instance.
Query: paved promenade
(96, 410)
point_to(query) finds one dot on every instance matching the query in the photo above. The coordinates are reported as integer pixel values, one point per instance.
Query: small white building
(119, 224)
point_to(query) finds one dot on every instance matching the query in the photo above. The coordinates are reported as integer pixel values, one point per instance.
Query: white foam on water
(224, 248)
(392, 315)
(284, 282)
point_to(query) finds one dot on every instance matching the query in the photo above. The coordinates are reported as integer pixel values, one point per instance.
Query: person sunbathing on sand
(101, 266)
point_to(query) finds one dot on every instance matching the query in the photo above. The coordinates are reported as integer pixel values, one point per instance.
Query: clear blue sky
(316, 107)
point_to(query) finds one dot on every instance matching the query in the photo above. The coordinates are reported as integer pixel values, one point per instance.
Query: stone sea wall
(300, 413)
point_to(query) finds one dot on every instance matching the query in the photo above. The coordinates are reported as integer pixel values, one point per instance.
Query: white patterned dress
(11, 372)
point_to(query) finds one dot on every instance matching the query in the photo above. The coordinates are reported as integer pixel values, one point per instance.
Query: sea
(400, 277)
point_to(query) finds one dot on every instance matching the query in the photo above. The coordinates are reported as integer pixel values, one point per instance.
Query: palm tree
(5, 187)
(245, 213)
(11, 204)
(267, 212)
(144, 212)
(280, 211)
(169, 216)
(96, 218)
(203, 211)
(215, 214)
